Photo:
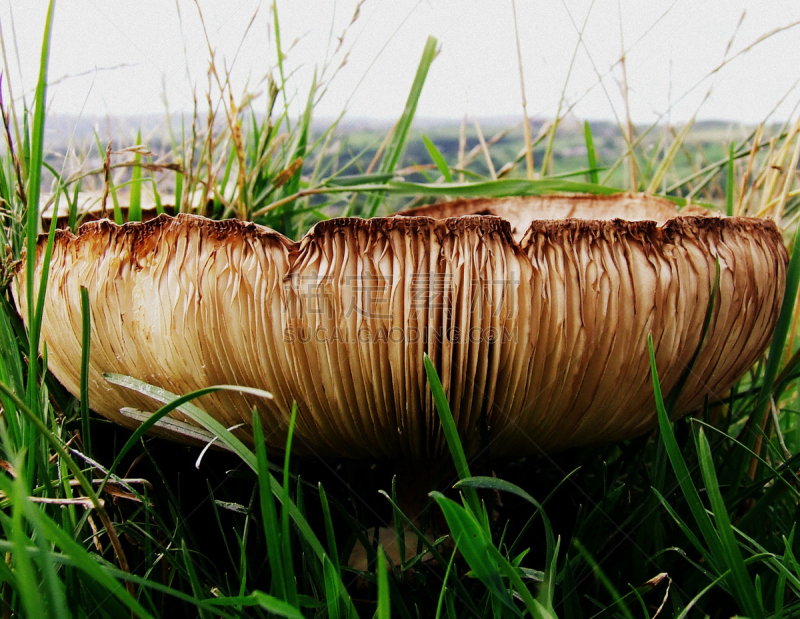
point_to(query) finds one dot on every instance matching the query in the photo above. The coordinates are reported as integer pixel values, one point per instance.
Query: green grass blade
(351, 180)
(451, 434)
(117, 574)
(178, 189)
(438, 159)
(79, 557)
(462, 592)
(11, 373)
(335, 592)
(538, 610)
(278, 48)
(204, 419)
(27, 578)
(730, 180)
(395, 147)
(397, 520)
(173, 402)
(591, 155)
(675, 456)
(496, 189)
(333, 551)
(444, 589)
(482, 189)
(780, 587)
(194, 581)
(286, 546)
(619, 600)
(135, 204)
(570, 605)
(384, 608)
(742, 587)
(35, 328)
(272, 531)
(685, 529)
(73, 209)
(634, 594)
(499, 485)
(55, 443)
(35, 170)
(271, 604)
(470, 538)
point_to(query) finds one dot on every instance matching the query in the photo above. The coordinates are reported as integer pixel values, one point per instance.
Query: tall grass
(695, 519)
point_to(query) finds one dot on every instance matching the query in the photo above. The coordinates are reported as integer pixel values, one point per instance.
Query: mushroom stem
(413, 481)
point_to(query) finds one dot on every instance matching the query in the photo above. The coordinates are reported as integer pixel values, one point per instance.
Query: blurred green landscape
(356, 146)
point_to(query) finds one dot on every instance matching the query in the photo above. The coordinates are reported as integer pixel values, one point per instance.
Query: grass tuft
(696, 519)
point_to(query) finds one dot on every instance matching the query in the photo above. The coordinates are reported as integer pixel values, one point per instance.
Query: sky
(713, 58)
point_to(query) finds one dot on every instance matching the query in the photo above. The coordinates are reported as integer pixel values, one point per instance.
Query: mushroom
(535, 312)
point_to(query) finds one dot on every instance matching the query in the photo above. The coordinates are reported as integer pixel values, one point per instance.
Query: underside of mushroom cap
(539, 337)
(521, 211)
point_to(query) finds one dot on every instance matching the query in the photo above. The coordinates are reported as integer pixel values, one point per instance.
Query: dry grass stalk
(744, 187)
(484, 148)
(462, 147)
(526, 119)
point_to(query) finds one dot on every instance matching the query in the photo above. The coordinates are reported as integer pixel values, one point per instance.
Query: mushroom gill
(538, 327)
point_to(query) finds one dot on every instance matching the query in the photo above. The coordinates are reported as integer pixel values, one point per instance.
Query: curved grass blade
(395, 147)
(59, 448)
(591, 155)
(497, 188)
(23, 566)
(443, 590)
(493, 483)
(438, 159)
(188, 430)
(619, 600)
(451, 434)
(384, 609)
(675, 456)
(269, 514)
(36, 160)
(135, 203)
(69, 559)
(49, 530)
(431, 547)
(286, 547)
(174, 402)
(271, 604)
(359, 179)
(730, 180)
(201, 417)
(470, 538)
(742, 586)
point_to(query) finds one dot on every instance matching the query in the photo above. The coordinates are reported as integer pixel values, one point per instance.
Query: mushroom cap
(537, 327)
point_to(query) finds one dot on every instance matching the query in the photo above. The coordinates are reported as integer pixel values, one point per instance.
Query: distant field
(356, 143)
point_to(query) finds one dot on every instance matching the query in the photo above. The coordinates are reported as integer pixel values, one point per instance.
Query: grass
(695, 519)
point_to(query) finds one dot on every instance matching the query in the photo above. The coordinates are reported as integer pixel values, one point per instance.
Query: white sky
(120, 57)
